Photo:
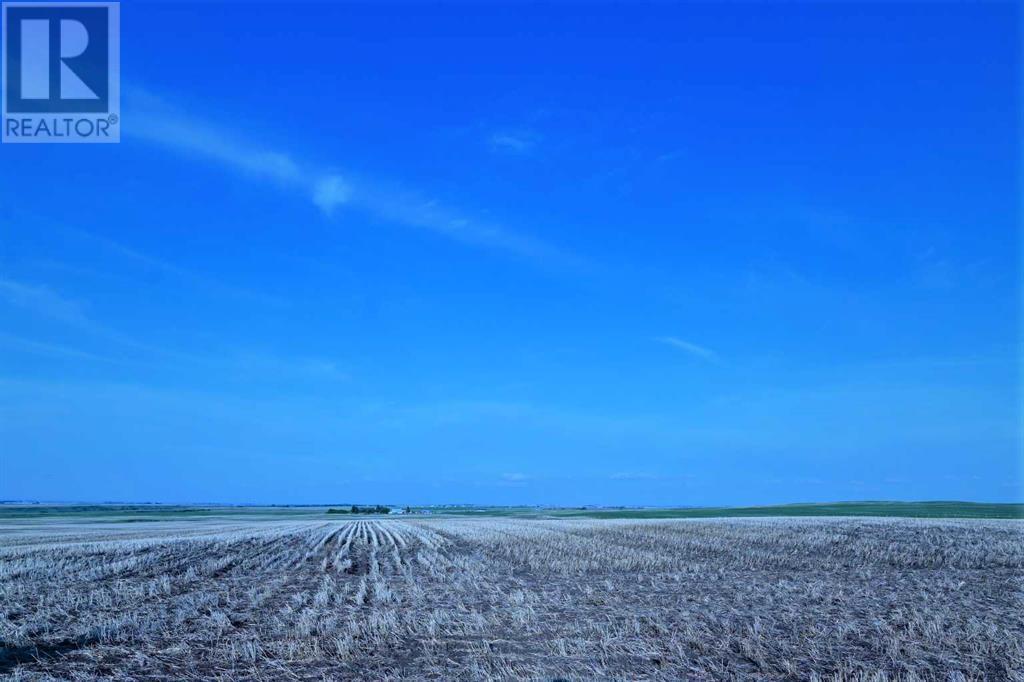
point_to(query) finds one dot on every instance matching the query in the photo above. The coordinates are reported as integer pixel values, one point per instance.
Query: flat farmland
(508, 598)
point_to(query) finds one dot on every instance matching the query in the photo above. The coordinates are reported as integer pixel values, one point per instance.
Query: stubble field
(479, 599)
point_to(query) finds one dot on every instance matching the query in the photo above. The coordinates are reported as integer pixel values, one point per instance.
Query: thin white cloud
(410, 210)
(331, 192)
(264, 364)
(633, 476)
(515, 480)
(512, 142)
(155, 122)
(688, 347)
(30, 221)
(189, 277)
(42, 300)
(23, 345)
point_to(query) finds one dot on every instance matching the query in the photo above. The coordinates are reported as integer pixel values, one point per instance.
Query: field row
(511, 598)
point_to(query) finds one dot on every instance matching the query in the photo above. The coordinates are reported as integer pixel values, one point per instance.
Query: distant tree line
(356, 509)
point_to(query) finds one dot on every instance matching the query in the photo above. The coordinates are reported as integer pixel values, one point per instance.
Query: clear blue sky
(651, 254)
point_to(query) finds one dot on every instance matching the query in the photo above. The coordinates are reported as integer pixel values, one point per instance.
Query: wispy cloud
(43, 301)
(155, 122)
(147, 262)
(515, 479)
(688, 347)
(237, 365)
(21, 344)
(330, 192)
(633, 476)
(264, 364)
(512, 142)
(31, 221)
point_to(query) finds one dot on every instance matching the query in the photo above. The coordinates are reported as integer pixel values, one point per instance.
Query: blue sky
(652, 254)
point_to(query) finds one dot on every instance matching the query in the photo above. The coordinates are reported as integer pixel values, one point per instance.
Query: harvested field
(477, 599)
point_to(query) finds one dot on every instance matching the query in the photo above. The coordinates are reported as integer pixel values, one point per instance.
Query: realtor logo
(61, 72)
